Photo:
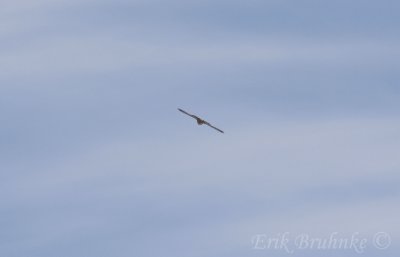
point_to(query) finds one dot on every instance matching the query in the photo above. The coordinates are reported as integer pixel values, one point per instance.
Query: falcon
(200, 121)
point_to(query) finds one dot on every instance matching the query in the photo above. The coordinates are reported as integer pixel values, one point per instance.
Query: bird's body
(200, 121)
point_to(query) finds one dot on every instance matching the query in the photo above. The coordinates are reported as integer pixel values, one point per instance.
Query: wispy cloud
(99, 54)
(333, 168)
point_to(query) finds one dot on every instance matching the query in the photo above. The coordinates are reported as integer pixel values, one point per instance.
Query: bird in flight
(200, 121)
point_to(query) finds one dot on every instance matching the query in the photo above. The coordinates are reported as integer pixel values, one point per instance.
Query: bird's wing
(197, 118)
(208, 124)
(187, 113)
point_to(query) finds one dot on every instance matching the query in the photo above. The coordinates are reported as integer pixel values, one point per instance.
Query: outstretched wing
(208, 124)
(200, 120)
(187, 113)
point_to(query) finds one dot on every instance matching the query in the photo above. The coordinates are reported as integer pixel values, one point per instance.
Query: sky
(95, 159)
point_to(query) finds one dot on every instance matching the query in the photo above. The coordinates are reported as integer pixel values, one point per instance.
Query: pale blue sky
(95, 160)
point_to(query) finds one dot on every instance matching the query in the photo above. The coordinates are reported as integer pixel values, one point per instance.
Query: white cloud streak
(100, 54)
